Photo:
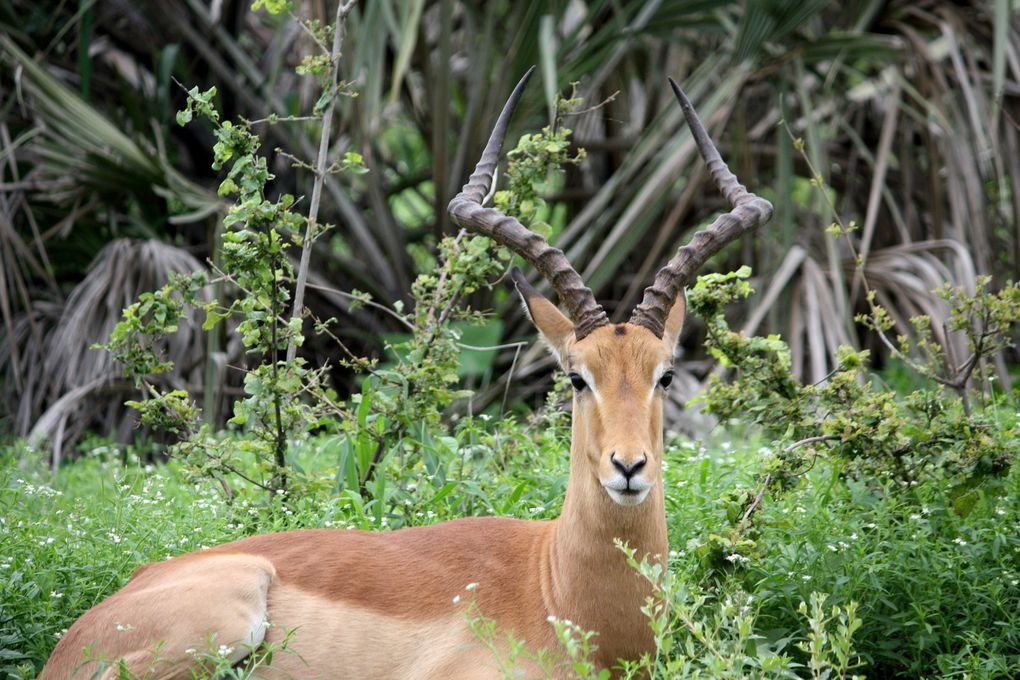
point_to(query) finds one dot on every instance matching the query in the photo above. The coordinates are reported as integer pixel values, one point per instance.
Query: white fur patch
(660, 371)
(589, 380)
(251, 642)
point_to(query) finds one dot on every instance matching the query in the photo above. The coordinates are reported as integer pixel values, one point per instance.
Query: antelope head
(620, 372)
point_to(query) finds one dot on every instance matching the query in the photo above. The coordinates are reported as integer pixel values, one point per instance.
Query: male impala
(382, 605)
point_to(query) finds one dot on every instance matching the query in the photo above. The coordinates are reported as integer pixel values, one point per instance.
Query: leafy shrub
(935, 578)
(878, 433)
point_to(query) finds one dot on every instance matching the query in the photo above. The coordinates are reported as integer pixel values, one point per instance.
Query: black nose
(628, 470)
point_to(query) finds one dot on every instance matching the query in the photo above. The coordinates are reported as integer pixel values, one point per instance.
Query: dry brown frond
(66, 386)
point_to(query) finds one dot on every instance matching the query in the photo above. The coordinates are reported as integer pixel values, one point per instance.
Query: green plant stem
(279, 479)
(210, 399)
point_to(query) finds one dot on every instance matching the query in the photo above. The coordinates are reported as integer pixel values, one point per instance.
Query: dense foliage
(860, 515)
(937, 588)
(906, 110)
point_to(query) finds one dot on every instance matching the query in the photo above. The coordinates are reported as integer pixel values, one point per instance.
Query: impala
(383, 605)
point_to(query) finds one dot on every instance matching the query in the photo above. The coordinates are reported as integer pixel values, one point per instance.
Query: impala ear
(675, 321)
(556, 329)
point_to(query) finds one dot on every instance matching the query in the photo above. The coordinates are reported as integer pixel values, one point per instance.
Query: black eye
(666, 379)
(577, 381)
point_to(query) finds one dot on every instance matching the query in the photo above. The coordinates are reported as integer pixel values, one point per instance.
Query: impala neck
(590, 522)
(587, 576)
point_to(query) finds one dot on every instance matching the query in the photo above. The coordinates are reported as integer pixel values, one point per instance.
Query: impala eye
(577, 381)
(666, 379)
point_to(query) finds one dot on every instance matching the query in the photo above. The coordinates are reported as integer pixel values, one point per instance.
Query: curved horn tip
(681, 96)
(524, 79)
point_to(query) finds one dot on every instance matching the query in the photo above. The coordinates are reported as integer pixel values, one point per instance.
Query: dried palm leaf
(69, 387)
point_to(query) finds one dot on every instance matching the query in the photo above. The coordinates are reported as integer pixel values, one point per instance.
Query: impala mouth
(627, 492)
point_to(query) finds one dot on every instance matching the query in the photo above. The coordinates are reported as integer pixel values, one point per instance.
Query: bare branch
(342, 10)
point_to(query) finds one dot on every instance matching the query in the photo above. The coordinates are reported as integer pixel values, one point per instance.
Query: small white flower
(471, 586)
(55, 595)
(456, 599)
(224, 650)
(959, 541)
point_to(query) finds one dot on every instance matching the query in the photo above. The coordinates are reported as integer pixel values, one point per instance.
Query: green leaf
(272, 6)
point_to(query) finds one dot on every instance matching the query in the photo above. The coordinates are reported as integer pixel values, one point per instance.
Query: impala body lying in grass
(392, 605)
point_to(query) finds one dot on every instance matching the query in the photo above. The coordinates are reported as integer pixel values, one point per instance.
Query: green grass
(936, 575)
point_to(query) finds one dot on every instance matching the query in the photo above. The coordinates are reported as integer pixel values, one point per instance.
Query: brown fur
(381, 605)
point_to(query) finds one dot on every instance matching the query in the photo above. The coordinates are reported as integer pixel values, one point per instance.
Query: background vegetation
(908, 111)
(885, 133)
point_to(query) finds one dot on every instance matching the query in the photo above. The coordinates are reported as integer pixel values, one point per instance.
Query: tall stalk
(342, 10)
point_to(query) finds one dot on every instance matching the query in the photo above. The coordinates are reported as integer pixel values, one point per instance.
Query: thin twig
(296, 162)
(278, 119)
(230, 279)
(310, 33)
(602, 103)
(491, 348)
(810, 440)
(367, 303)
(234, 470)
(754, 504)
(509, 378)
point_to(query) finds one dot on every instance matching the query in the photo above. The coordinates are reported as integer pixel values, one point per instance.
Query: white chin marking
(628, 499)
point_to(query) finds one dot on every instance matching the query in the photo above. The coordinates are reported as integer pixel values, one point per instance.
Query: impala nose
(628, 471)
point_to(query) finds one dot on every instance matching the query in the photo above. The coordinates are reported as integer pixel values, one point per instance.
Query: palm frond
(58, 355)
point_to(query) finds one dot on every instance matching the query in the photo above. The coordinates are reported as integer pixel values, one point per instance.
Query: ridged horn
(749, 211)
(467, 212)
